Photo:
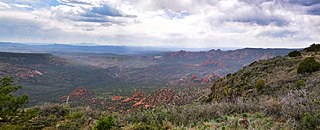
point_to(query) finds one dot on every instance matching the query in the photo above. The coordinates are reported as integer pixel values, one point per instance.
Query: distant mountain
(58, 48)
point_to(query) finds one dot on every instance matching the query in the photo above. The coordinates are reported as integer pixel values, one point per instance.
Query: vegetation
(260, 84)
(9, 103)
(300, 84)
(294, 54)
(105, 123)
(192, 116)
(310, 122)
(313, 48)
(291, 91)
(308, 65)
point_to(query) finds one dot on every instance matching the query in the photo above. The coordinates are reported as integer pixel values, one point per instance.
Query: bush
(53, 109)
(300, 83)
(294, 54)
(313, 48)
(154, 118)
(73, 121)
(12, 127)
(260, 84)
(140, 126)
(308, 65)
(9, 103)
(310, 122)
(105, 123)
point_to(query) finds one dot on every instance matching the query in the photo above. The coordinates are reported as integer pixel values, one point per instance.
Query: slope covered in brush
(286, 88)
(273, 77)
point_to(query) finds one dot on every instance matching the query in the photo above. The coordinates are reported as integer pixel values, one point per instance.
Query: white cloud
(189, 23)
(22, 6)
(4, 6)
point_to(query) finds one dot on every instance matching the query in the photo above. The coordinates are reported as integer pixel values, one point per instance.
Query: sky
(163, 23)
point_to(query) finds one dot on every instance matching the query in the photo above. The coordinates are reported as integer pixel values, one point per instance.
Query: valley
(49, 76)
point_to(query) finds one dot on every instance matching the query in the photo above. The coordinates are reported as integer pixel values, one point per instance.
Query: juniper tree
(9, 101)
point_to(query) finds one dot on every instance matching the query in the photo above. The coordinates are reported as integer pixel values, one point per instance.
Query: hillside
(286, 88)
(279, 75)
(49, 77)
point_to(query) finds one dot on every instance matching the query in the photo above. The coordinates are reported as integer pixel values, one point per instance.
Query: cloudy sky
(174, 23)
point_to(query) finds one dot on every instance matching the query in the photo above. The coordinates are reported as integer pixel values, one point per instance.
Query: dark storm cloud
(305, 2)
(102, 14)
(261, 20)
(277, 34)
(314, 10)
(311, 7)
(106, 10)
(94, 14)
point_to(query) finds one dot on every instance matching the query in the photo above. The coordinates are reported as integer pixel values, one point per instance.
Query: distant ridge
(56, 48)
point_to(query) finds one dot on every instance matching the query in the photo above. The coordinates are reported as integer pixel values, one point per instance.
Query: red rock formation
(127, 100)
(29, 74)
(79, 92)
(139, 103)
(161, 97)
(194, 76)
(116, 98)
(138, 95)
(147, 106)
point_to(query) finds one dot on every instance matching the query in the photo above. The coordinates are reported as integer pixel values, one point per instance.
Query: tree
(10, 103)
(294, 54)
(308, 65)
(260, 84)
(313, 48)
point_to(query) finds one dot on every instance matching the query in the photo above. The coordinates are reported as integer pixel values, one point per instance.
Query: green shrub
(105, 123)
(310, 122)
(9, 102)
(140, 126)
(154, 118)
(300, 83)
(25, 115)
(53, 109)
(313, 48)
(12, 127)
(294, 54)
(68, 125)
(209, 99)
(41, 122)
(260, 84)
(308, 65)
(73, 121)
(75, 115)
